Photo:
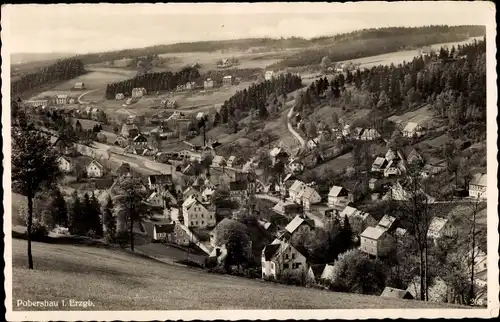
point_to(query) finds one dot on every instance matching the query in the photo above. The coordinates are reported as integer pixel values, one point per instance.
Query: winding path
(87, 92)
(292, 131)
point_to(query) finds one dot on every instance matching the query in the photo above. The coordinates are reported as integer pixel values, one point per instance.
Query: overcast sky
(103, 27)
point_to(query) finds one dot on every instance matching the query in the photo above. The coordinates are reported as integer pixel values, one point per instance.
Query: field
(116, 280)
(400, 56)
(419, 116)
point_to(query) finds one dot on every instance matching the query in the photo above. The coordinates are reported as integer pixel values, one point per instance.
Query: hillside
(115, 280)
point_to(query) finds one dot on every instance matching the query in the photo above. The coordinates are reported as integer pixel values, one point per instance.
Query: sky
(103, 27)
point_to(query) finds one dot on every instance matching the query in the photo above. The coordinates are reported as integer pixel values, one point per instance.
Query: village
(315, 167)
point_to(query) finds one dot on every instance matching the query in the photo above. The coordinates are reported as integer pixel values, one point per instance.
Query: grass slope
(116, 280)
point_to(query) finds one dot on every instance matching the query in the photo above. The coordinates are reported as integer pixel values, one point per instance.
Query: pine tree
(76, 216)
(58, 209)
(96, 217)
(109, 219)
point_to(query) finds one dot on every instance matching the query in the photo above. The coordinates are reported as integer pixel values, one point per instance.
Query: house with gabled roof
(161, 231)
(159, 182)
(280, 259)
(369, 135)
(95, 169)
(195, 214)
(441, 227)
(375, 241)
(299, 224)
(392, 292)
(388, 223)
(338, 196)
(219, 161)
(414, 157)
(65, 164)
(379, 164)
(477, 186)
(161, 198)
(413, 129)
(302, 194)
(191, 191)
(129, 130)
(287, 209)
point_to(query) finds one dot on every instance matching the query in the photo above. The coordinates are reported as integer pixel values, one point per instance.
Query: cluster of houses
(137, 93)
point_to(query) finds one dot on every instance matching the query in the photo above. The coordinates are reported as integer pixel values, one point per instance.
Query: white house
(390, 155)
(159, 199)
(196, 215)
(339, 196)
(282, 258)
(441, 227)
(119, 96)
(61, 99)
(227, 80)
(208, 83)
(379, 164)
(477, 186)
(138, 92)
(191, 192)
(65, 164)
(392, 169)
(375, 241)
(369, 135)
(387, 223)
(268, 75)
(295, 166)
(304, 195)
(219, 161)
(95, 169)
(299, 224)
(206, 195)
(413, 129)
(79, 85)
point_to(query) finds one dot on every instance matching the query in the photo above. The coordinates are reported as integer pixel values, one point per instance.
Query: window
(286, 256)
(191, 224)
(196, 223)
(175, 233)
(202, 222)
(293, 256)
(285, 266)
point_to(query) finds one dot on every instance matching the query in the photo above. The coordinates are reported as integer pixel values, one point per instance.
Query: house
(119, 96)
(196, 215)
(302, 194)
(295, 166)
(287, 209)
(278, 154)
(441, 227)
(36, 103)
(219, 161)
(369, 135)
(65, 164)
(191, 191)
(390, 155)
(190, 85)
(346, 131)
(379, 164)
(388, 223)
(160, 199)
(79, 85)
(227, 80)
(375, 241)
(431, 169)
(138, 92)
(373, 184)
(326, 277)
(208, 83)
(299, 224)
(413, 129)
(414, 157)
(282, 258)
(312, 143)
(129, 130)
(95, 169)
(161, 231)
(233, 161)
(140, 141)
(477, 186)
(339, 196)
(396, 293)
(392, 169)
(206, 195)
(219, 253)
(439, 291)
(269, 75)
(61, 99)
(158, 182)
(357, 219)
(224, 63)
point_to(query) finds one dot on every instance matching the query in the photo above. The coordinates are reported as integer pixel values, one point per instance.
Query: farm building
(79, 85)
(227, 80)
(413, 129)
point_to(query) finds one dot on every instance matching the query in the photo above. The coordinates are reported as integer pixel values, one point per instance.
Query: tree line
(379, 41)
(153, 82)
(255, 98)
(61, 70)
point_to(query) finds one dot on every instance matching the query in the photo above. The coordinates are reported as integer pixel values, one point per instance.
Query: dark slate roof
(165, 228)
(270, 250)
(160, 179)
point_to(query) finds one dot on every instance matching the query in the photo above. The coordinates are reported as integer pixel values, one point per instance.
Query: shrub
(123, 238)
(38, 230)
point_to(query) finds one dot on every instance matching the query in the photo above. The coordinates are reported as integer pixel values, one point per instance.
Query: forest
(61, 70)
(153, 82)
(452, 81)
(255, 98)
(373, 42)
